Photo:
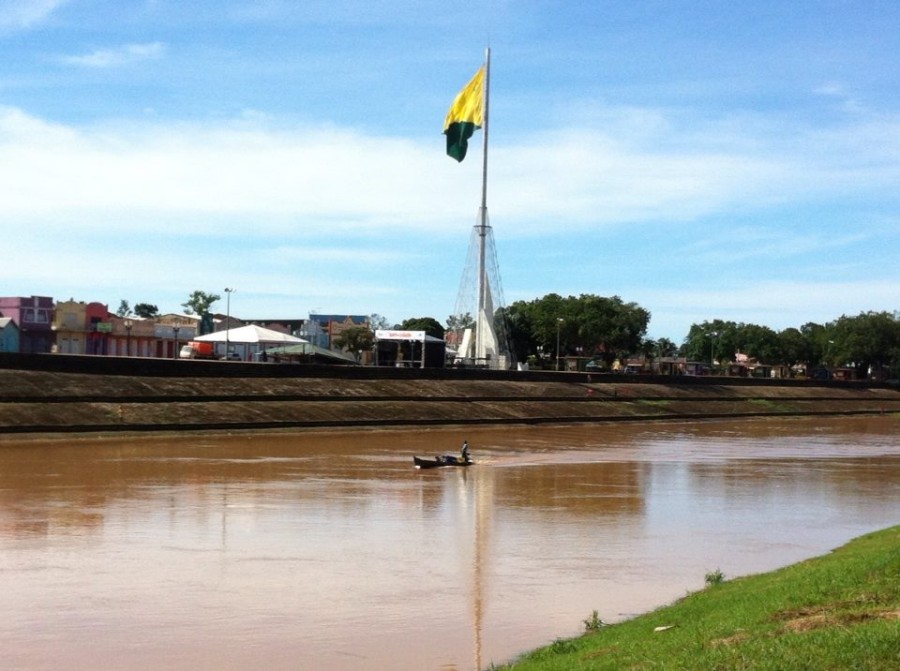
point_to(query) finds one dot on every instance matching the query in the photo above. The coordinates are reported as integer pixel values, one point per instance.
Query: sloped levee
(42, 394)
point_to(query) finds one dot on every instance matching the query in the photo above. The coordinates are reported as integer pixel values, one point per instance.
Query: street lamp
(176, 327)
(128, 325)
(712, 350)
(559, 321)
(228, 292)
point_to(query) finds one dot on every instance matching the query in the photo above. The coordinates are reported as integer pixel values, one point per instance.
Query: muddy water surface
(328, 551)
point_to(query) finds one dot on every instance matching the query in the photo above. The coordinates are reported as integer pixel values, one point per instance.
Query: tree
(710, 341)
(146, 311)
(794, 347)
(587, 324)
(666, 347)
(868, 342)
(460, 322)
(759, 342)
(377, 322)
(124, 309)
(619, 331)
(817, 340)
(199, 303)
(519, 332)
(355, 339)
(430, 325)
(649, 349)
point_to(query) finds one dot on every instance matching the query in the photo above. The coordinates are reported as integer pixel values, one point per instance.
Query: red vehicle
(197, 350)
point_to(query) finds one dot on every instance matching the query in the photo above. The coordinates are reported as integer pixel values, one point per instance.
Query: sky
(702, 159)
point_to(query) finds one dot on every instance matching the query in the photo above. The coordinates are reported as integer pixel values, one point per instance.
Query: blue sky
(703, 159)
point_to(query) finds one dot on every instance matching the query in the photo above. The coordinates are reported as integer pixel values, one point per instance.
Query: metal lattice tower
(467, 300)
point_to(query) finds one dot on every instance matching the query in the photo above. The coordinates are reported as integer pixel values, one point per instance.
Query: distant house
(9, 335)
(81, 328)
(33, 316)
(172, 330)
(70, 326)
(669, 365)
(321, 330)
(290, 326)
(132, 336)
(99, 328)
(696, 368)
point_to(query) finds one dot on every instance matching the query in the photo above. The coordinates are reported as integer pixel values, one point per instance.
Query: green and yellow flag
(466, 115)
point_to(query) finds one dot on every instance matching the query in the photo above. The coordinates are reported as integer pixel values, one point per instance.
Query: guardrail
(153, 367)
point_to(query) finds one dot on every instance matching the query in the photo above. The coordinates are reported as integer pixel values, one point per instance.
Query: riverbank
(839, 611)
(46, 401)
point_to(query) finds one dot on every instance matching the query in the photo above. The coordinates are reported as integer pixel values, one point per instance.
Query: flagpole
(487, 109)
(482, 214)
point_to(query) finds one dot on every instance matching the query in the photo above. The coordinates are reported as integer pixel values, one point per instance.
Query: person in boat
(464, 452)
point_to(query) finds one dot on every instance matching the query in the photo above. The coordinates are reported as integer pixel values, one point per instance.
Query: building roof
(397, 334)
(250, 334)
(326, 319)
(307, 349)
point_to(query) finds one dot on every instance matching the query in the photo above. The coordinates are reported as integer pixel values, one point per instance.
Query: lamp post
(128, 325)
(228, 292)
(712, 350)
(559, 321)
(176, 327)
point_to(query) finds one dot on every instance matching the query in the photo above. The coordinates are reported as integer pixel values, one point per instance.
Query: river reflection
(328, 551)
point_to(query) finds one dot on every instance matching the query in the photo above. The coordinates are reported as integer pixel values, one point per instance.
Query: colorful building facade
(33, 316)
(9, 335)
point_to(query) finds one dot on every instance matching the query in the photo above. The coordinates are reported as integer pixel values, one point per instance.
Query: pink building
(98, 328)
(33, 315)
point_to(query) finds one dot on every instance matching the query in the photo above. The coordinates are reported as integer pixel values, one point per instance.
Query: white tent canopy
(251, 334)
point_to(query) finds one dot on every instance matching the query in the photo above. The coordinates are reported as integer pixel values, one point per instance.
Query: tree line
(607, 329)
(868, 343)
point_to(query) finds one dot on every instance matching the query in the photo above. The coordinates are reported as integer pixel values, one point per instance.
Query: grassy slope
(41, 401)
(839, 611)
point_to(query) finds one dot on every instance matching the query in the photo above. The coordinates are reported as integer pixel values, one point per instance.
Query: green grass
(769, 405)
(655, 402)
(836, 612)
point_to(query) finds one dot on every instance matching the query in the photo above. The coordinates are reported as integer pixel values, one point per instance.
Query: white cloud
(742, 244)
(342, 178)
(326, 255)
(585, 178)
(19, 14)
(316, 212)
(210, 173)
(124, 55)
(831, 88)
(838, 92)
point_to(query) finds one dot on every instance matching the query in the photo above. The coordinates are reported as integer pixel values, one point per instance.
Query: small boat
(441, 460)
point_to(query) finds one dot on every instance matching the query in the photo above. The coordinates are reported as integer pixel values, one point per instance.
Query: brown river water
(328, 551)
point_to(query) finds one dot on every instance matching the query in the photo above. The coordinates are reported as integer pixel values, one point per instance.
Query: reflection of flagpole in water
(482, 504)
(477, 496)
(224, 513)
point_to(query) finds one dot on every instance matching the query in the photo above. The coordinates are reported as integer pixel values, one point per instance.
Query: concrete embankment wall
(57, 393)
